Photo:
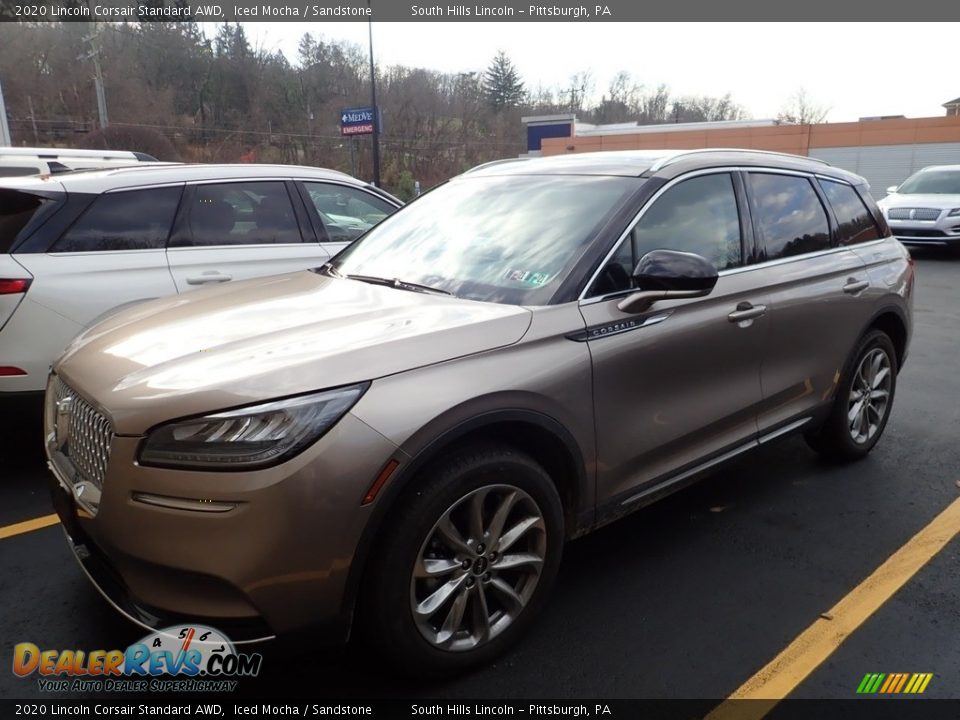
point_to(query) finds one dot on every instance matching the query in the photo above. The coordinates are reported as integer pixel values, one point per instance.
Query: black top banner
(496, 11)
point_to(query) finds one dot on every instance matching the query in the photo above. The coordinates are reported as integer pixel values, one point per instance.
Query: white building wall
(886, 165)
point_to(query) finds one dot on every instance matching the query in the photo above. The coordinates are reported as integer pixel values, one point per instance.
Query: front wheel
(467, 564)
(863, 401)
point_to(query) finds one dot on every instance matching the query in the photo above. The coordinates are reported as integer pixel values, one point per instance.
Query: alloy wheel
(478, 567)
(869, 399)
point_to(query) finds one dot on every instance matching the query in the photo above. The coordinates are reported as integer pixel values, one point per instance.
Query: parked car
(78, 246)
(21, 161)
(401, 441)
(925, 209)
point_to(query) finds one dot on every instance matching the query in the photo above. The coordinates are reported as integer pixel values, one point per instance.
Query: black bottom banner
(209, 706)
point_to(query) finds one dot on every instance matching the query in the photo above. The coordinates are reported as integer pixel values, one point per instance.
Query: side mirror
(892, 189)
(664, 274)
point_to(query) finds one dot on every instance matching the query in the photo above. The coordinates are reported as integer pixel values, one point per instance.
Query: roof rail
(60, 153)
(485, 165)
(670, 159)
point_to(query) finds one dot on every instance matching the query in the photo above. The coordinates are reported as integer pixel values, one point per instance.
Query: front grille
(919, 233)
(86, 439)
(905, 213)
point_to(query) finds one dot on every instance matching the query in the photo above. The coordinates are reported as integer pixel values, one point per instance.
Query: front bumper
(276, 561)
(943, 232)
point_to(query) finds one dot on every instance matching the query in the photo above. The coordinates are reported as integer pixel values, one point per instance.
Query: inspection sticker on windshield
(530, 278)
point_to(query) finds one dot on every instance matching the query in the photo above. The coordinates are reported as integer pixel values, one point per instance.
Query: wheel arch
(892, 320)
(542, 437)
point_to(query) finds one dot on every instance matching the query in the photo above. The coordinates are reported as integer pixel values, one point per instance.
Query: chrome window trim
(582, 299)
(804, 256)
(680, 154)
(234, 180)
(828, 178)
(135, 188)
(238, 245)
(355, 186)
(722, 273)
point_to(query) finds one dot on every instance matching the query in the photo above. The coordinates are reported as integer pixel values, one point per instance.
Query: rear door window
(854, 223)
(788, 216)
(127, 220)
(243, 213)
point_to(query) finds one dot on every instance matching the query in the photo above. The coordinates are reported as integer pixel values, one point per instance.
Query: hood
(918, 200)
(255, 340)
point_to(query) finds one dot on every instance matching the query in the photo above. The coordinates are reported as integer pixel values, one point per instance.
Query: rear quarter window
(127, 220)
(16, 210)
(854, 221)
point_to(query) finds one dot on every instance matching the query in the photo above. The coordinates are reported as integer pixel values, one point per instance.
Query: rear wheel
(468, 563)
(863, 401)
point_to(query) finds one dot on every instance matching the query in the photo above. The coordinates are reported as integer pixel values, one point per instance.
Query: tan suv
(401, 441)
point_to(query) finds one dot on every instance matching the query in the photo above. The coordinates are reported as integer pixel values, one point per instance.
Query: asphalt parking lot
(689, 598)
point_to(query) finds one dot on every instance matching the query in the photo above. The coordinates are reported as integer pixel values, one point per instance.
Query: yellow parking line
(815, 644)
(28, 526)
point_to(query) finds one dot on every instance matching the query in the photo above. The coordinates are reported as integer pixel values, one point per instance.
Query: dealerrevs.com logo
(188, 658)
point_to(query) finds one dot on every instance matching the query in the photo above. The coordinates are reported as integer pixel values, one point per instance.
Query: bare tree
(801, 109)
(575, 95)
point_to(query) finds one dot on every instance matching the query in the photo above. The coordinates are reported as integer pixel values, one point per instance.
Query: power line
(233, 131)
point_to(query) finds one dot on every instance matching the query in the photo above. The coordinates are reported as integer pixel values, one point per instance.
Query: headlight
(249, 437)
(954, 212)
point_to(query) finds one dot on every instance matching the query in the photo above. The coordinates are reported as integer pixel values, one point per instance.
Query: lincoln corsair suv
(925, 209)
(399, 442)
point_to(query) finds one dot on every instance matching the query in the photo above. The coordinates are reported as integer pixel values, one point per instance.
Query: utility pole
(4, 126)
(94, 54)
(376, 110)
(33, 122)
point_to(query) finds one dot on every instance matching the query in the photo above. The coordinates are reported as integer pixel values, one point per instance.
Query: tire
(842, 438)
(448, 635)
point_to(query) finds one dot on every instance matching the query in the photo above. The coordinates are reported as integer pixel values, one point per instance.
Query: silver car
(925, 209)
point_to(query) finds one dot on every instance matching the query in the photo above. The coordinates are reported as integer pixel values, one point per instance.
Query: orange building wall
(796, 139)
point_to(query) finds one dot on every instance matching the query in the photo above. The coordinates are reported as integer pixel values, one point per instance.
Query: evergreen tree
(502, 85)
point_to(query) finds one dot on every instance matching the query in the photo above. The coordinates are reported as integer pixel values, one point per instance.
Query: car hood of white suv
(920, 200)
(268, 338)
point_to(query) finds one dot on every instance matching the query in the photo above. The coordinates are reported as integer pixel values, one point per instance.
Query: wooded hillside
(173, 92)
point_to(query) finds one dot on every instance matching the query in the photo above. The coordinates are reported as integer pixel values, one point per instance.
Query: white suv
(77, 246)
(925, 209)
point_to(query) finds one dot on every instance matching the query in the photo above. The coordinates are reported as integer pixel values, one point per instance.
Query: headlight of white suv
(954, 212)
(250, 437)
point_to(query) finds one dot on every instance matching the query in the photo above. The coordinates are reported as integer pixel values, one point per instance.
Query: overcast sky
(856, 70)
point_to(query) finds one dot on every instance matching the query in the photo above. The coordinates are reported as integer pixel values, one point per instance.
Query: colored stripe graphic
(890, 679)
(894, 683)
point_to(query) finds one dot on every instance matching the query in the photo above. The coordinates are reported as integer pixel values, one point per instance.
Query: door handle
(746, 311)
(854, 286)
(208, 277)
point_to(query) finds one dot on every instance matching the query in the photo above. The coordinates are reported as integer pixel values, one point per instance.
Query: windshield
(508, 240)
(935, 182)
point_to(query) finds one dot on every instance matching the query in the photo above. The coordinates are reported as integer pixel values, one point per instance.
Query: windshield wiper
(396, 283)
